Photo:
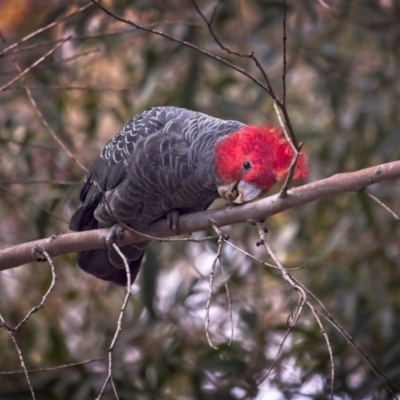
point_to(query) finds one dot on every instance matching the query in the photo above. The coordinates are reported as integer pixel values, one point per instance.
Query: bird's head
(249, 162)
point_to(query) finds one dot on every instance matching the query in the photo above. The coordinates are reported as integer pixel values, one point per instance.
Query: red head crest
(260, 156)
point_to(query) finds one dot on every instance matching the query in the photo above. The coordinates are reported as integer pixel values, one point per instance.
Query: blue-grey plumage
(161, 161)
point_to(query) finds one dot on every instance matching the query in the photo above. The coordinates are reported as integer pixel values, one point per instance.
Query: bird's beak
(239, 192)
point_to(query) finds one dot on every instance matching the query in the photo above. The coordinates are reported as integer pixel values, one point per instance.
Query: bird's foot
(173, 221)
(116, 235)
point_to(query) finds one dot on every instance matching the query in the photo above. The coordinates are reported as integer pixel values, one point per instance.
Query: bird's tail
(108, 265)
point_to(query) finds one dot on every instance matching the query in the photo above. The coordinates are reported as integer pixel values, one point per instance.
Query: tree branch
(51, 25)
(258, 210)
(26, 70)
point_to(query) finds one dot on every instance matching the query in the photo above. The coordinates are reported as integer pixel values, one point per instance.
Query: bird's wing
(109, 169)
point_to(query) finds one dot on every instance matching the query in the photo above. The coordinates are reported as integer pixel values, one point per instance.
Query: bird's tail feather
(108, 265)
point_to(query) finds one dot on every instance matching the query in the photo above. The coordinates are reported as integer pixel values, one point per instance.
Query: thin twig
(328, 345)
(119, 324)
(258, 259)
(40, 182)
(210, 292)
(285, 274)
(184, 43)
(61, 87)
(289, 176)
(329, 317)
(33, 145)
(251, 55)
(45, 123)
(52, 24)
(33, 204)
(23, 366)
(214, 12)
(60, 62)
(89, 37)
(58, 367)
(228, 298)
(285, 124)
(389, 210)
(300, 303)
(114, 389)
(284, 40)
(39, 251)
(221, 237)
(294, 316)
(55, 41)
(213, 34)
(26, 70)
(11, 333)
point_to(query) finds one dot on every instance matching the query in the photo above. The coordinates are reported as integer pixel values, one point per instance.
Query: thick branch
(257, 210)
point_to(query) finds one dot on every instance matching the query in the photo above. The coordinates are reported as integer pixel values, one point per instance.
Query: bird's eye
(247, 165)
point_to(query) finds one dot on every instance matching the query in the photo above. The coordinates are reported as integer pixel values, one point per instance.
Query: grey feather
(160, 161)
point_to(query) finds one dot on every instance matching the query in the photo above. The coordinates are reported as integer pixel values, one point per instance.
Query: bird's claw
(116, 235)
(173, 221)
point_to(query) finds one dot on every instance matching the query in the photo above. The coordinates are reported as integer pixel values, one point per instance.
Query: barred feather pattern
(162, 160)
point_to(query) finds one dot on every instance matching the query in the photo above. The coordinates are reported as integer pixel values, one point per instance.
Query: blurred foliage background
(343, 96)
